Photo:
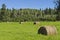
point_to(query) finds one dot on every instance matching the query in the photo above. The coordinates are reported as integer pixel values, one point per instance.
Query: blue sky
(37, 4)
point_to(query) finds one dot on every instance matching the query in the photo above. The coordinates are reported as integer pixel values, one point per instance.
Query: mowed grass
(26, 31)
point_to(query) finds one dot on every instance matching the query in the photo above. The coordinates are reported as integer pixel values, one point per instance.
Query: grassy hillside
(26, 31)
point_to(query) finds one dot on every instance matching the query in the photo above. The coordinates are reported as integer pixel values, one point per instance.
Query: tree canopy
(27, 14)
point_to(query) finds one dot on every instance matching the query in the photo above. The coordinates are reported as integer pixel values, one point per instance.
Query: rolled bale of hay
(47, 30)
(34, 22)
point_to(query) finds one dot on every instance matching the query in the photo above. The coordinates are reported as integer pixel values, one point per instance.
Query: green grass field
(26, 31)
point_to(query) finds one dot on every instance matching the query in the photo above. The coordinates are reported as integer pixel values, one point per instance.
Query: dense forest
(27, 14)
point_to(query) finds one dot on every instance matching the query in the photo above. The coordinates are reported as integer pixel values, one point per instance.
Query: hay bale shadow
(42, 30)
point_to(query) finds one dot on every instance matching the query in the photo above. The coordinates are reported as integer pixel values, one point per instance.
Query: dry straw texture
(47, 30)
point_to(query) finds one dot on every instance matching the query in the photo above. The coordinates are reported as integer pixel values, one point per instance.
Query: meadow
(26, 31)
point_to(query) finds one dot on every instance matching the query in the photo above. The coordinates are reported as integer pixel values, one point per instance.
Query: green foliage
(16, 15)
(58, 9)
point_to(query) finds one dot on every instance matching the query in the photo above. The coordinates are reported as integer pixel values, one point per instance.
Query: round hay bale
(34, 22)
(47, 30)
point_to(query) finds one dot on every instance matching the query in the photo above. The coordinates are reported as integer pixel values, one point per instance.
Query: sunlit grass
(26, 31)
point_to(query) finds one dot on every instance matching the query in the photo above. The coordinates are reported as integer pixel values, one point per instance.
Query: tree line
(22, 15)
